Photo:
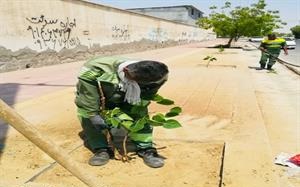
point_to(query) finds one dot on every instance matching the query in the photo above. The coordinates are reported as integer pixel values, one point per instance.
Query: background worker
(270, 50)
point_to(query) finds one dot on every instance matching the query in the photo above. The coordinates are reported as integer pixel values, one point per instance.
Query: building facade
(186, 14)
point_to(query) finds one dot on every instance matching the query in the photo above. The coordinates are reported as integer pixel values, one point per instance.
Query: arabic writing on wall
(121, 32)
(53, 33)
(188, 36)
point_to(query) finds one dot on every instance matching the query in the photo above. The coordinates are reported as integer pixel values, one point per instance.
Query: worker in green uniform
(270, 50)
(125, 83)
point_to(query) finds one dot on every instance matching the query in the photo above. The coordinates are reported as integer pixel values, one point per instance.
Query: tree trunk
(229, 42)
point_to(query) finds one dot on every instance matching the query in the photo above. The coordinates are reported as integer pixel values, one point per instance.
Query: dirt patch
(21, 159)
(189, 162)
(196, 164)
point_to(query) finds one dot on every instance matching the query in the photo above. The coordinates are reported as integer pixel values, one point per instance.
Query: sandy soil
(227, 102)
(23, 160)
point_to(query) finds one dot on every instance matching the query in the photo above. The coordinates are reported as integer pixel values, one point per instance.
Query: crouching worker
(124, 83)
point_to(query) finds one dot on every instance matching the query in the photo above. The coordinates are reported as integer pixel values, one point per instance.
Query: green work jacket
(273, 46)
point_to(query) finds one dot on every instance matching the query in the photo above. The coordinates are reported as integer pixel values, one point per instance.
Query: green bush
(296, 31)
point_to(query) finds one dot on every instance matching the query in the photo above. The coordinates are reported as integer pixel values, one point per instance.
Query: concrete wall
(63, 27)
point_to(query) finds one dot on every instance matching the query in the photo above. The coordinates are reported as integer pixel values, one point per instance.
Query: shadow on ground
(8, 93)
(253, 67)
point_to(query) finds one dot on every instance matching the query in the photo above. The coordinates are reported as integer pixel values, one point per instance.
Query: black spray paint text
(53, 33)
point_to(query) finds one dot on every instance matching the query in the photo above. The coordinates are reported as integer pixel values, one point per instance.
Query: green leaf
(138, 125)
(127, 124)
(157, 98)
(108, 121)
(159, 117)
(206, 58)
(176, 109)
(125, 117)
(171, 124)
(155, 123)
(105, 113)
(115, 122)
(115, 111)
(166, 102)
(171, 114)
(174, 112)
(144, 103)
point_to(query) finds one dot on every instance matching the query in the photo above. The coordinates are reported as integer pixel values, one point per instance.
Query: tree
(296, 31)
(241, 21)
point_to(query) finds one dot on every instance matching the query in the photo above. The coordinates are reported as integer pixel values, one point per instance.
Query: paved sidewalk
(253, 112)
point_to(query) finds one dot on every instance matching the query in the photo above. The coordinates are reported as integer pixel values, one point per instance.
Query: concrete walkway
(253, 112)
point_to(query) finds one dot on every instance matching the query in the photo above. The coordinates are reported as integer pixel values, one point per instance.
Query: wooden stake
(11, 117)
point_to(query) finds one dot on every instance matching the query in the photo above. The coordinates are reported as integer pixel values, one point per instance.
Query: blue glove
(98, 122)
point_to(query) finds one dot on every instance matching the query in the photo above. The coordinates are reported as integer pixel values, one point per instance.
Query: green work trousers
(96, 139)
(265, 57)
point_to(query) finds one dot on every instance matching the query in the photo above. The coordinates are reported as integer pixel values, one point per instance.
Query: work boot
(269, 67)
(100, 158)
(262, 66)
(151, 158)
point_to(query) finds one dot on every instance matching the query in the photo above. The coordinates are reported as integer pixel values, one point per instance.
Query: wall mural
(53, 33)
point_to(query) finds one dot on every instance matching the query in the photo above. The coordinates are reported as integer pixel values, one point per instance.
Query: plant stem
(125, 157)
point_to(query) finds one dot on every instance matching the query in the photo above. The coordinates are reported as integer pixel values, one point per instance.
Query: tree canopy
(296, 31)
(241, 21)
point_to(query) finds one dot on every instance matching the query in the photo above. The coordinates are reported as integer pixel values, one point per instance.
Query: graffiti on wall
(187, 36)
(158, 34)
(53, 33)
(120, 32)
(183, 37)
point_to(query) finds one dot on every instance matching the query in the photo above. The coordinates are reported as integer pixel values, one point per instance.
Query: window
(199, 15)
(192, 11)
